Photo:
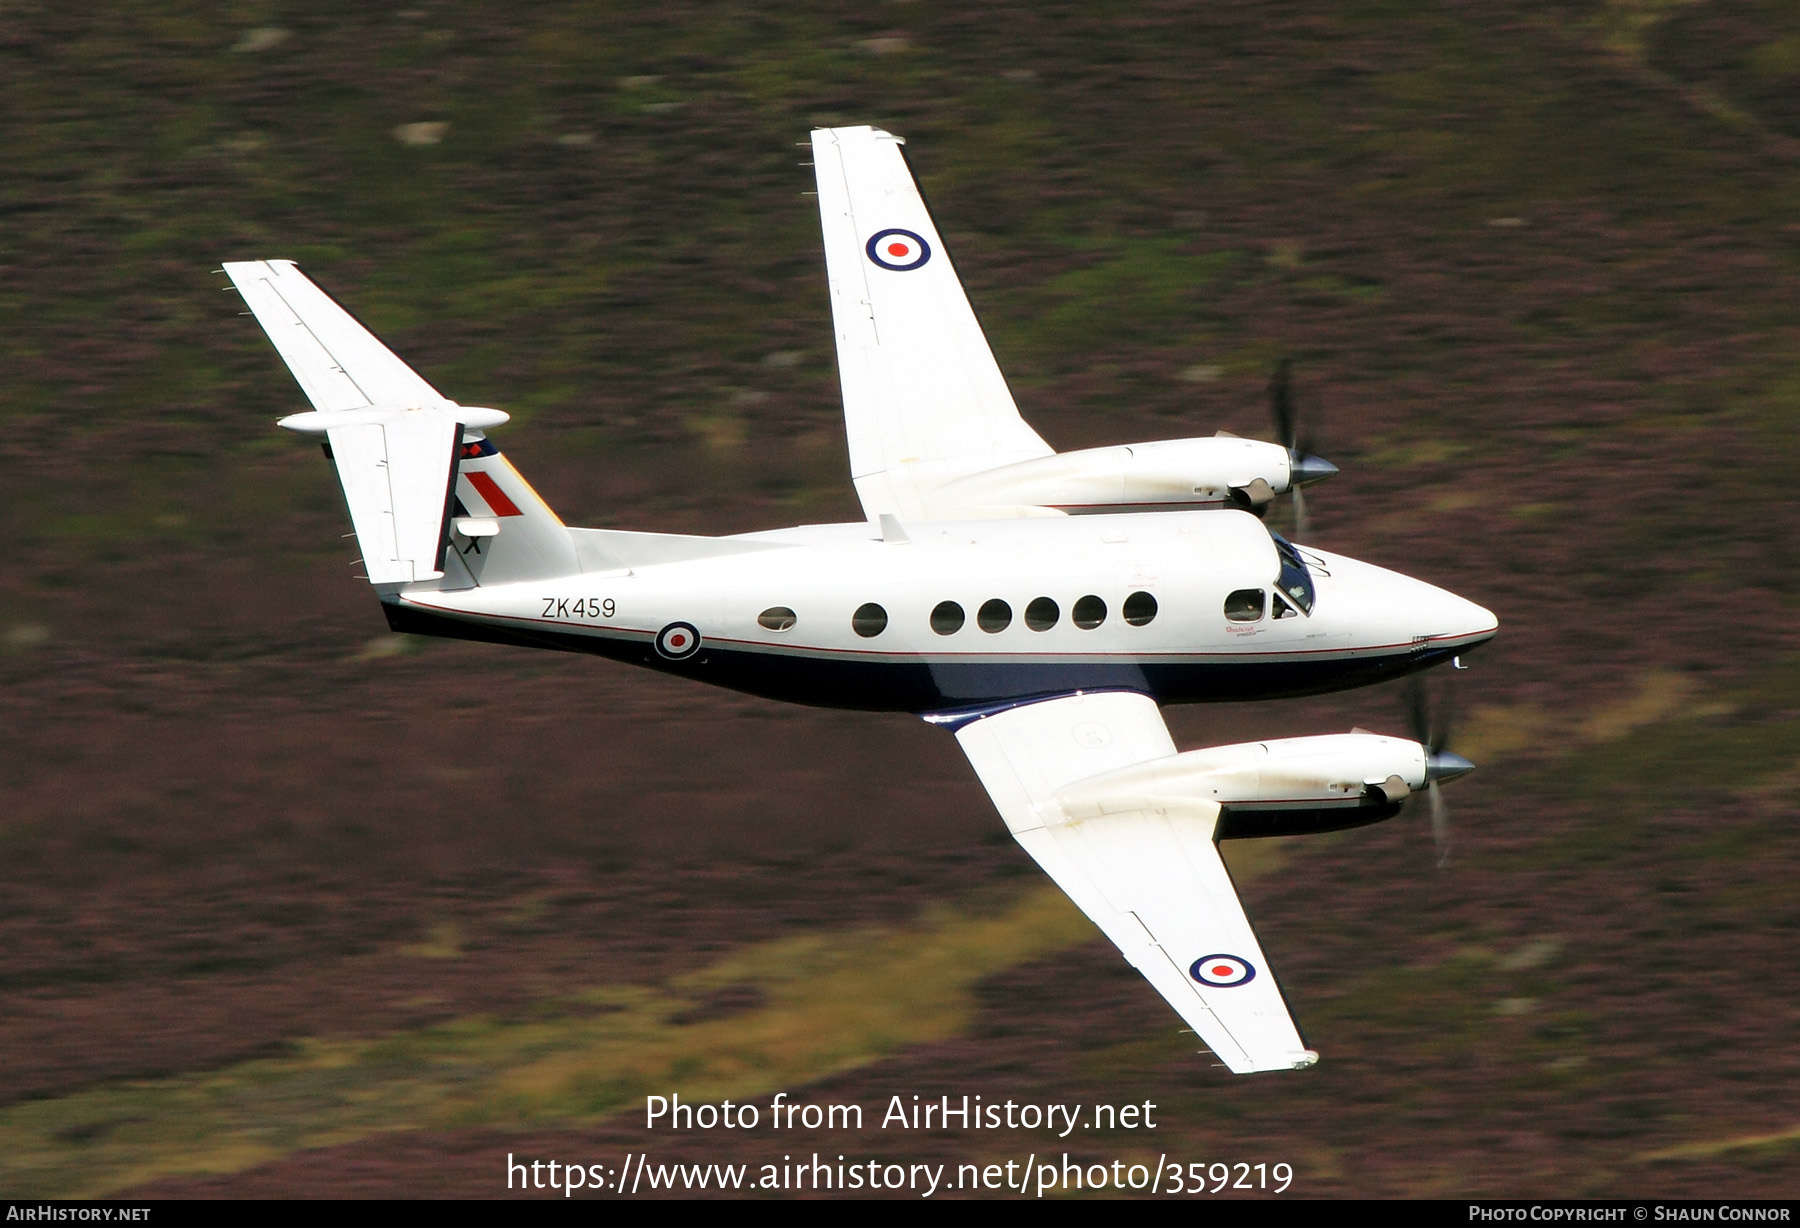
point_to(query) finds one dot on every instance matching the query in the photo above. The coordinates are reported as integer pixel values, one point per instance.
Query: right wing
(1151, 879)
(924, 401)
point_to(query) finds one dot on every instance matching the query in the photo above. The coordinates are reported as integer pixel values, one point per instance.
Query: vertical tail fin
(500, 529)
(430, 496)
(397, 475)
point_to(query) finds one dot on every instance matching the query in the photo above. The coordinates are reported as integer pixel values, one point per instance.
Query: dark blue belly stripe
(918, 686)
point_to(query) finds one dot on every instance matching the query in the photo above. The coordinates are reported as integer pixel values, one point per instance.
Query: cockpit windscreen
(1296, 581)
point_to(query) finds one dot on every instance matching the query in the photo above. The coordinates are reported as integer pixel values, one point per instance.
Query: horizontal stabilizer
(338, 363)
(418, 471)
(396, 440)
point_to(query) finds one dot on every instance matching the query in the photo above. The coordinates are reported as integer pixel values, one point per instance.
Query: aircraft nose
(1459, 618)
(1396, 607)
(1448, 621)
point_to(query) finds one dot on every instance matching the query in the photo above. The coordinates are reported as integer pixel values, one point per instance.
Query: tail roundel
(430, 497)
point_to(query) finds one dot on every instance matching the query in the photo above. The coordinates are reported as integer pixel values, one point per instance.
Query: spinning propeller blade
(1303, 466)
(1431, 726)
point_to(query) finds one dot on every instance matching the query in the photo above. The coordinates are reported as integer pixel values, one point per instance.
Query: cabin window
(1245, 605)
(1041, 614)
(869, 620)
(776, 618)
(946, 618)
(1089, 612)
(994, 615)
(1280, 608)
(1139, 609)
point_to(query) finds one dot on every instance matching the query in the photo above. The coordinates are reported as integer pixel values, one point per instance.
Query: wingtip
(1295, 1059)
(874, 133)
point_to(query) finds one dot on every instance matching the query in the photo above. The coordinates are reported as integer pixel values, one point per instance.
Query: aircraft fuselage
(1181, 606)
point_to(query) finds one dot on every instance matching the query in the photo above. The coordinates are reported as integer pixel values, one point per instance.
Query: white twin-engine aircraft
(1040, 604)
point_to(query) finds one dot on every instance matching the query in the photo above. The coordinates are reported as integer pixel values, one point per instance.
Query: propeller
(1431, 726)
(1303, 466)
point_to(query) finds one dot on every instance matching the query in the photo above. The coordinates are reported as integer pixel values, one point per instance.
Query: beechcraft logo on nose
(899, 250)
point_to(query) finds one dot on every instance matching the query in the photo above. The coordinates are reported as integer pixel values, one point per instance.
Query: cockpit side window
(1296, 582)
(1245, 605)
(1279, 607)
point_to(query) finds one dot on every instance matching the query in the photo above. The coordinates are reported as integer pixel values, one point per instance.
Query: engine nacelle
(1287, 786)
(1174, 473)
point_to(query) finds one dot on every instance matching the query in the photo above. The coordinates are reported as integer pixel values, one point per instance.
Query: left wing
(924, 401)
(1147, 873)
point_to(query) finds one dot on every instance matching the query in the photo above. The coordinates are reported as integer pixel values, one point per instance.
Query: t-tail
(433, 502)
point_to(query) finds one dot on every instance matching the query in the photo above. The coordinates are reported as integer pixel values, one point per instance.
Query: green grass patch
(1144, 289)
(819, 1004)
(1736, 742)
(1696, 750)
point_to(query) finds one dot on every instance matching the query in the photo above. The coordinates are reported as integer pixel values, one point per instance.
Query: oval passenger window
(994, 615)
(1041, 614)
(1089, 612)
(946, 618)
(869, 620)
(1139, 609)
(1245, 605)
(776, 618)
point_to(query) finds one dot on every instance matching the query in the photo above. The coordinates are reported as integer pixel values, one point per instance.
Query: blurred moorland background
(291, 905)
